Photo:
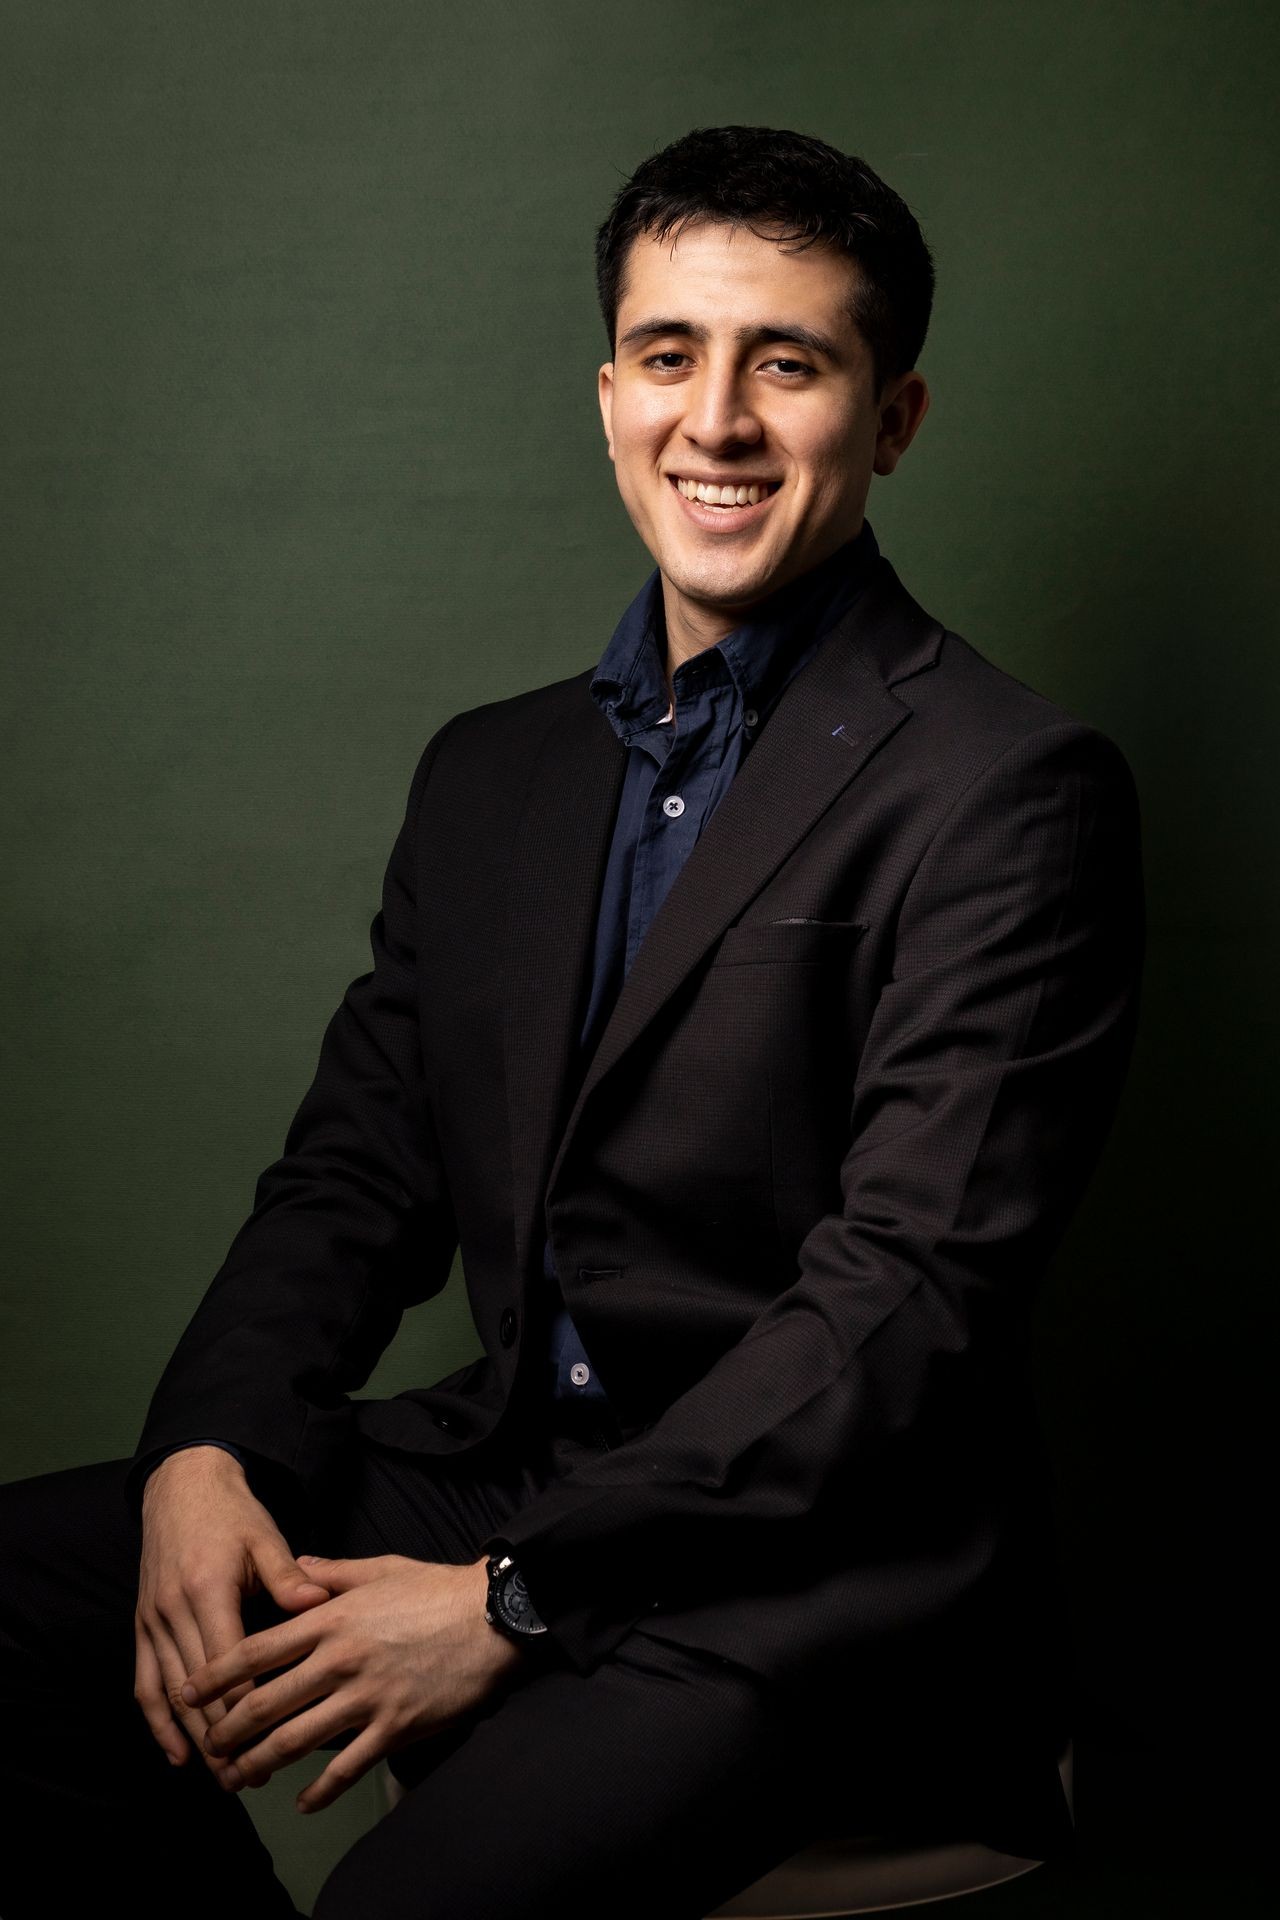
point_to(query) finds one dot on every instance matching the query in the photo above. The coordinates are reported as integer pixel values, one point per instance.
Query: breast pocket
(798, 940)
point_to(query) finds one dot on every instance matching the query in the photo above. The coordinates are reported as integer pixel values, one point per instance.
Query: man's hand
(401, 1649)
(206, 1542)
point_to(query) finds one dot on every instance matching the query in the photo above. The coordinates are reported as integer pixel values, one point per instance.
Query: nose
(719, 414)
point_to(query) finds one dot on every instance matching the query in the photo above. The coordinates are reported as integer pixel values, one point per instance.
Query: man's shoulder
(521, 717)
(974, 714)
(490, 748)
(974, 709)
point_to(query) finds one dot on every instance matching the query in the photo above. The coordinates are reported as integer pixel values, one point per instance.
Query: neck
(694, 625)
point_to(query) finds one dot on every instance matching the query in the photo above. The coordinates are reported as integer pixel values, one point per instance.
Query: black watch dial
(510, 1604)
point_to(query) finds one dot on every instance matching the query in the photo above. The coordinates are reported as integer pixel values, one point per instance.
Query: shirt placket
(689, 764)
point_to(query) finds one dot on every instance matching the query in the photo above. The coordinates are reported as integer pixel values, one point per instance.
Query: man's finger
(339, 1575)
(289, 1584)
(149, 1692)
(280, 1722)
(219, 1627)
(263, 1652)
(350, 1764)
(192, 1720)
(178, 1647)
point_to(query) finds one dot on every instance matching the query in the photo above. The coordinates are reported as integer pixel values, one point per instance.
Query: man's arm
(988, 1083)
(351, 1225)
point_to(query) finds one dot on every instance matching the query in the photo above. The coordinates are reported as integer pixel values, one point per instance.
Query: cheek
(835, 477)
(830, 452)
(640, 421)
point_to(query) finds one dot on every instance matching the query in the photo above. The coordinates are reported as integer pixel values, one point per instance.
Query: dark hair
(753, 176)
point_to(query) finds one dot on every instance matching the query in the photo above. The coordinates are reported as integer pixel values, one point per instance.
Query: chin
(729, 580)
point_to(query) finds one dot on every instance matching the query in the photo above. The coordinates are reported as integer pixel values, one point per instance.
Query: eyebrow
(790, 333)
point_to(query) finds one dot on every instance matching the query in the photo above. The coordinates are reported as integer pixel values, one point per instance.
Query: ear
(903, 408)
(606, 402)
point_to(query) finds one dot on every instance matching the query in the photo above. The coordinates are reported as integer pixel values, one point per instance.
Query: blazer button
(443, 1420)
(507, 1326)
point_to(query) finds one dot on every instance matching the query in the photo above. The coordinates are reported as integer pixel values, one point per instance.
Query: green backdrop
(301, 454)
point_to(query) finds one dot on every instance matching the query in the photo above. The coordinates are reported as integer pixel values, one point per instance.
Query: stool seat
(864, 1873)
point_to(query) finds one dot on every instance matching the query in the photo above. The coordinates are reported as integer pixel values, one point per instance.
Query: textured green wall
(301, 454)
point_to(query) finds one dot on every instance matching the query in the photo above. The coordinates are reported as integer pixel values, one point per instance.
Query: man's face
(736, 362)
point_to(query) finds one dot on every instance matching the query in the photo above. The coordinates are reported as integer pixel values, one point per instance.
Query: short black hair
(753, 176)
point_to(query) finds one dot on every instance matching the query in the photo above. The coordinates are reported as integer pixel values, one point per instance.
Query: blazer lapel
(829, 721)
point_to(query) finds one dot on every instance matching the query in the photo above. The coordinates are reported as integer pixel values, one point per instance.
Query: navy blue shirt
(679, 767)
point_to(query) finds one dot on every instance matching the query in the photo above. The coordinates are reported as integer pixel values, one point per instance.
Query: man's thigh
(665, 1776)
(656, 1786)
(659, 1784)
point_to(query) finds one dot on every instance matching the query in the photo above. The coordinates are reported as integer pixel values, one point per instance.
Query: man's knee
(69, 1555)
(70, 1530)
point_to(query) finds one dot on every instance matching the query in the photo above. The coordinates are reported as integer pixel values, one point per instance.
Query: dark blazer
(850, 1094)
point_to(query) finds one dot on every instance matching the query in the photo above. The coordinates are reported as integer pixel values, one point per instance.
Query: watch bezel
(504, 1573)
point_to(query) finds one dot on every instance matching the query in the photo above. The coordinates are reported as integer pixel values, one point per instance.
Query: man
(752, 1007)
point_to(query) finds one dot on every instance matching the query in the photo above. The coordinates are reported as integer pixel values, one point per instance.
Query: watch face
(516, 1596)
(513, 1606)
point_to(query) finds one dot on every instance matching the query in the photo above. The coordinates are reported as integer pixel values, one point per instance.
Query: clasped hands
(387, 1649)
(399, 1649)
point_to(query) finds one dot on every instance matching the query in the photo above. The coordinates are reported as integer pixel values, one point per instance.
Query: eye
(655, 360)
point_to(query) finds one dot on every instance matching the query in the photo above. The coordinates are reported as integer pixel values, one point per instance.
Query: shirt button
(507, 1326)
(673, 806)
(750, 717)
(579, 1374)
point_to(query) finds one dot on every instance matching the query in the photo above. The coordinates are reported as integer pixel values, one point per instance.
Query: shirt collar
(629, 685)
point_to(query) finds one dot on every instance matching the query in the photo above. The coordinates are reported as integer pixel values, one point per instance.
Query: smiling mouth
(724, 499)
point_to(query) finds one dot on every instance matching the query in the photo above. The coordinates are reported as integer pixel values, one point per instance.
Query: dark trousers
(656, 1786)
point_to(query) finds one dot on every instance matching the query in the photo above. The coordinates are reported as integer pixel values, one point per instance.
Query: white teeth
(715, 496)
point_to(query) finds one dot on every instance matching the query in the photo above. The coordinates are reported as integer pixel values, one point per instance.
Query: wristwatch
(509, 1606)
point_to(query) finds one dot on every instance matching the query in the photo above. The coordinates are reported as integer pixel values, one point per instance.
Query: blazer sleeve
(204, 1440)
(987, 1085)
(350, 1226)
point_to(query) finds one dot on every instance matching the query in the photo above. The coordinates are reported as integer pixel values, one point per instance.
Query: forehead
(714, 268)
